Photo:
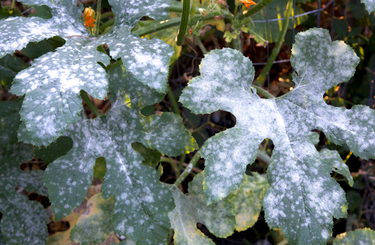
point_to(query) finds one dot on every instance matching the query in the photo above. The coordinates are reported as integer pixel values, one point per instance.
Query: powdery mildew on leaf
(52, 86)
(11, 175)
(9, 121)
(53, 82)
(142, 202)
(238, 211)
(360, 236)
(19, 31)
(95, 224)
(23, 221)
(334, 158)
(303, 197)
(370, 5)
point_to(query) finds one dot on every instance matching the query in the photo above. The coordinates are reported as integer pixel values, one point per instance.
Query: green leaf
(134, 93)
(94, 225)
(54, 80)
(152, 157)
(142, 202)
(23, 221)
(238, 211)
(42, 12)
(276, 10)
(35, 50)
(302, 195)
(338, 165)
(9, 67)
(12, 176)
(55, 150)
(66, 21)
(52, 85)
(370, 5)
(360, 236)
(9, 121)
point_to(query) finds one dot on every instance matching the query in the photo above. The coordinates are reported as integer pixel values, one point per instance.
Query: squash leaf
(302, 195)
(360, 236)
(23, 221)
(240, 210)
(53, 82)
(142, 202)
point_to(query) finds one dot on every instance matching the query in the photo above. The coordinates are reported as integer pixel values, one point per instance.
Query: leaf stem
(173, 101)
(98, 13)
(89, 103)
(184, 22)
(173, 165)
(259, 81)
(188, 168)
(200, 45)
(157, 27)
(263, 92)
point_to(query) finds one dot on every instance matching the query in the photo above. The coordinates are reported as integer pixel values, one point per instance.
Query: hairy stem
(259, 81)
(173, 101)
(188, 169)
(263, 92)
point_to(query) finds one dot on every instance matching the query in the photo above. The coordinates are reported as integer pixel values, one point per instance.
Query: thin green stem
(98, 13)
(262, 155)
(157, 27)
(182, 160)
(89, 103)
(188, 168)
(173, 165)
(259, 81)
(107, 14)
(106, 24)
(255, 9)
(173, 101)
(200, 45)
(263, 92)
(200, 127)
(184, 22)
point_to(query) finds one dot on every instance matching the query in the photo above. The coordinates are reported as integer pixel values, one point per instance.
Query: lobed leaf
(302, 195)
(142, 202)
(334, 158)
(52, 84)
(238, 211)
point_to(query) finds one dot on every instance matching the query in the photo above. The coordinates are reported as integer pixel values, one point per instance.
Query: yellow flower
(89, 17)
(248, 3)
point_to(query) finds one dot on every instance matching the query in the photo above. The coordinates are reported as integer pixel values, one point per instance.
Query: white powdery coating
(130, 11)
(370, 5)
(52, 86)
(303, 197)
(147, 60)
(17, 32)
(142, 202)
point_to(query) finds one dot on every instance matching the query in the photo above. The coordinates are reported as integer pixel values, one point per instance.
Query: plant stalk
(173, 101)
(259, 81)
(89, 103)
(184, 22)
(188, 169)
(98, 13)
